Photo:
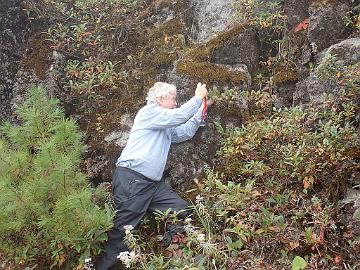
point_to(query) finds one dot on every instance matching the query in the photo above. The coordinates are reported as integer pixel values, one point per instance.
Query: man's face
(168, 102)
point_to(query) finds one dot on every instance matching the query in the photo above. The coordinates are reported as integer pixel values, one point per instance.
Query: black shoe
(171, 231)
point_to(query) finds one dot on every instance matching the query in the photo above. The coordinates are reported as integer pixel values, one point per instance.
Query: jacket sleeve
(187, 130)
(160, 118)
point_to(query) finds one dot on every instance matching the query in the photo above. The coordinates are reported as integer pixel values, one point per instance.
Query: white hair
(159, 89)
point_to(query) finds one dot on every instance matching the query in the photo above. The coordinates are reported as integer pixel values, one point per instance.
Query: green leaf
(298, 263)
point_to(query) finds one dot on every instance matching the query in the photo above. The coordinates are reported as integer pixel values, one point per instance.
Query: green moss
(38, 58)
(167, 29)
(204, 52)
(196, 64)
(210, 72)
(285, 75)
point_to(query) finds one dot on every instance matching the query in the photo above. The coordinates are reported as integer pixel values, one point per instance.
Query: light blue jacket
(154, 129)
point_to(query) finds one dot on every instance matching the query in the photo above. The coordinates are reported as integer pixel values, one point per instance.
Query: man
(137, 182)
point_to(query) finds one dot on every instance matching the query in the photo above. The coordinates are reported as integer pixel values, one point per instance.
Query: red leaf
(337, 259)
(302, 26)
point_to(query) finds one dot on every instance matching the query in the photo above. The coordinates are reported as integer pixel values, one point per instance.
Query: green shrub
(47, 216)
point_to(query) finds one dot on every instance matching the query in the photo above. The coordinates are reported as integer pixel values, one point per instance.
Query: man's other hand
(201, 90)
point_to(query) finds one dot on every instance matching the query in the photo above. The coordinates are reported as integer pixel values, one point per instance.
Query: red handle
(203, 116)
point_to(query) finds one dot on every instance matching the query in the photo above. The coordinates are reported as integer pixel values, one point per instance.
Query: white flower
(199, 198)
(201, 237)
(127, 258)
(188, 220)
(128, 228)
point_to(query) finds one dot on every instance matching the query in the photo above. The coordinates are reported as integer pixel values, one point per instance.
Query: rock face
(347, 51)
(296, 11)
(13, 32)
(326, 23)
(240, 49)
(313, 89)
(211, 17)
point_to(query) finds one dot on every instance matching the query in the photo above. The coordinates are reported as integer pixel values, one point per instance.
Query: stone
(326, 23)
(296, 11)
(312, 89)
(240, 49)
(347, 51)
(211, 17)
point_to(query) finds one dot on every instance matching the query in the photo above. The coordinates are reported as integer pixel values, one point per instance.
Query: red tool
(203, 115)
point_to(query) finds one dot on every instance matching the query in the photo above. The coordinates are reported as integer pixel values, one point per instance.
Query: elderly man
(137, 183)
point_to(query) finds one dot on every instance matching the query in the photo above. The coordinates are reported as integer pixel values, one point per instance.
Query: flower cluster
(127, 258)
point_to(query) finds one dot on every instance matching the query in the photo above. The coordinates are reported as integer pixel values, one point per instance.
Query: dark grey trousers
(134, 196)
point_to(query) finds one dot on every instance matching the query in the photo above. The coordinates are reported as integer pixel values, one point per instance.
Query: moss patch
(37, 56)
(196, 61)
(204, 52)
(210, 72)
(284, 76)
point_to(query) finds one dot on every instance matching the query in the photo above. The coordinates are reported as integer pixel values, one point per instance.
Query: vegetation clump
(48, 216)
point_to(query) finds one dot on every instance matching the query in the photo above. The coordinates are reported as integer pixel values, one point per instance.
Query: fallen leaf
(308, 181)
(337, 259)
(294, 245)
(302, 26)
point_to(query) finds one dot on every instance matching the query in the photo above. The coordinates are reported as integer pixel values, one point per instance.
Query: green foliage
(352, 20)
(86, 76)
(79, 26)
(293, 145)
(47, 209)
(298, 263)
(73, 38)
(260, 103)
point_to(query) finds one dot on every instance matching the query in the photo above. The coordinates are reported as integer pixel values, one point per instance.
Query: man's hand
(201, 90)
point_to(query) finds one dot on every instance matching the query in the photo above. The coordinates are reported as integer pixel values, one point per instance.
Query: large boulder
(242, 48)
(347, 51)
(211, 17)
(313, 89)
(326, 23)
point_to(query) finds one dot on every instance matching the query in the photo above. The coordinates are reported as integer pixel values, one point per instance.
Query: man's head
(162, 94)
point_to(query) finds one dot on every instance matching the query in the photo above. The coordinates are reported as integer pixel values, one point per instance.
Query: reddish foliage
(302, 26)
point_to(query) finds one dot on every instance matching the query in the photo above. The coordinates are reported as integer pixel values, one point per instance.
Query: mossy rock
(169, 28)
(204, 52)
(197, 61)
(212, 72)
